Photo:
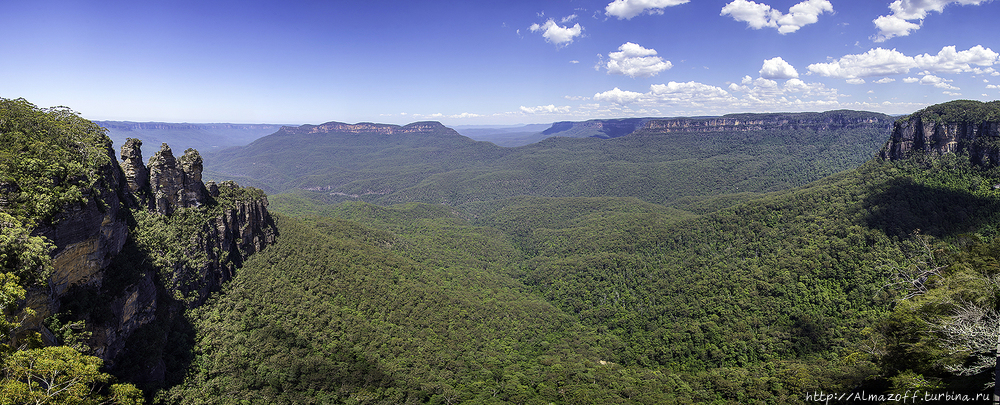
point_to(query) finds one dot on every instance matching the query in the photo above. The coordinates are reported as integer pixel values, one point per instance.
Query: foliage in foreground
(50, 158)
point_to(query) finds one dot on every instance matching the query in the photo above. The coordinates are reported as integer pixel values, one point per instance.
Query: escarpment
(926, 132)
(826, 121)
(147, 242)
(830, 120)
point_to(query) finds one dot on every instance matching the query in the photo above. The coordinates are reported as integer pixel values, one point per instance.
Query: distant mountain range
(656, 160)
(206, 138)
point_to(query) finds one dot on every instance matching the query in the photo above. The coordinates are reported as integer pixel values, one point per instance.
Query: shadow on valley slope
(904, 207)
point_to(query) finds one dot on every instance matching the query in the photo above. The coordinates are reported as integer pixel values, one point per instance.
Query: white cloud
(683, 92)
(635, 61)
(881, 62)
(761, 15)
(950, 93)
(545, 109)
(777, 68)
(574, 61)
(948, 60)
(802, 14)
(747, 95)
(884, 80)
(911, 80)
(618, 96)
(626, 9)
(938, 82)
(988, 71)
(672, 93)
(892, 26)
(898, 23)
(875, 62)
(568, 18)
(556, 34)
(855, 81)
(993, 86)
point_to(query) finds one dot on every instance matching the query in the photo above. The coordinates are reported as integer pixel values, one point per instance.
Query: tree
(60, 375)
(958, 304)
(975, 330)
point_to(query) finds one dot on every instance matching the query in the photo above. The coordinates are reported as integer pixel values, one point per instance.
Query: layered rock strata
(88, 237)
(916, 134)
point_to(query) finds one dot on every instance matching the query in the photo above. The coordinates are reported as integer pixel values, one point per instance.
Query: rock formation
(916, 134)
(175, 184)
(136, 172)
(91, 241)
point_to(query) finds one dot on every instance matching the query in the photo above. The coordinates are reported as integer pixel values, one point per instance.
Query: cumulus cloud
(993, 86)
(875, 62)
(545, 109)
(556, 34)
(892, 26)
(777, 68)
(855, 81)
(689, 91)
(885, 80)
(898, 24)
(635, 61)
(938, 82)
(748, 94)
(882, 62)
(761, 15)
(618, 96)
(626, 9)
(948, 60)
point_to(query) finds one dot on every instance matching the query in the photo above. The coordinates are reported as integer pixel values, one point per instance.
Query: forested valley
(754, 258)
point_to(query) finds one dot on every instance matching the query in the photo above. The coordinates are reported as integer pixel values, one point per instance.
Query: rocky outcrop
(175, 183)
(87, 237)
(135, 171)
(227, 240)
(92, 246)
(917, 134)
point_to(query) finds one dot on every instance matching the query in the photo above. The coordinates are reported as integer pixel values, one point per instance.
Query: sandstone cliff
(613, 128)
(920, 133)
(366, 127)
(130, 284)
(767, 122)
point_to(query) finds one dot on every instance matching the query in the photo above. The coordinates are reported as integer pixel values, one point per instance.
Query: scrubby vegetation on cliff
(98, 268)
(49, 159)
(967, 111)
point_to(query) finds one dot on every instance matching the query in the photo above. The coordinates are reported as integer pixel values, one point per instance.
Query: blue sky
(491, 62)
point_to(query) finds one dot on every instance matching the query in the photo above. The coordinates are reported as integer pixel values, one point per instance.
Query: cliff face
(613, 128)
(917, 134)
(767, 122)
(86, 238)
(366, 127)
(93, 239)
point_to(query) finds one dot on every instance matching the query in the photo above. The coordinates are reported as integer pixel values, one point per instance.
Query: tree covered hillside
(586, 300)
